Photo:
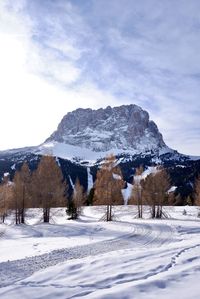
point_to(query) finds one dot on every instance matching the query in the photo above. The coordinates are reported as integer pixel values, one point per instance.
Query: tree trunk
(110, 213)
(17, 216)
(107, 213)
(138, 204)
(23, 203)
(158, 212)
(153, 211)
(46, 215)
(16, 219)
(22, 216)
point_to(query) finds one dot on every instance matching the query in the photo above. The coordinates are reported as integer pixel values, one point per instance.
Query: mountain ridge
(125, 127)
(80, 159)
(89, 134)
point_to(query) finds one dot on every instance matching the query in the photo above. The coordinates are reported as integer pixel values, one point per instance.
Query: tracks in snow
(177, 255)
(2, 232)
(143, 235)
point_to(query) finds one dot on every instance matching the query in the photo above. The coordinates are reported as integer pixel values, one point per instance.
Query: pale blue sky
(58, 55)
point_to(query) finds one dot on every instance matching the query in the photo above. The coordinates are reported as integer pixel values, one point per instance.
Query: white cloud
(64, 46)
(31, 106)
(54, 56)
(54, 69)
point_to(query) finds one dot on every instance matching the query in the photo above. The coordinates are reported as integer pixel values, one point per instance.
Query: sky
(59, 55)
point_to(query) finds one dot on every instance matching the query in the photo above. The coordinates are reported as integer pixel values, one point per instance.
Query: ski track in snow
(2, 232)
(139, 259)
(143, 235)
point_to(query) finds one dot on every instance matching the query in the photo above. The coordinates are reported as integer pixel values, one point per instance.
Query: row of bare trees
(45, 188)
(151, 191)
(108, 186)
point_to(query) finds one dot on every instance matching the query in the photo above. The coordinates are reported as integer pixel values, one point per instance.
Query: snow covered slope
(126, 259)
(80, 154)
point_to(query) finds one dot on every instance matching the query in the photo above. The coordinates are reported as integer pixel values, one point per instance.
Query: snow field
(125, 259)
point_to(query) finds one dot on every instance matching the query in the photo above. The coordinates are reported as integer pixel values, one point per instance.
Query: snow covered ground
(88, 258)
(81, 154)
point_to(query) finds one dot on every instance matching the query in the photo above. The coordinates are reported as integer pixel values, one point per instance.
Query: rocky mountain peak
(126, 127)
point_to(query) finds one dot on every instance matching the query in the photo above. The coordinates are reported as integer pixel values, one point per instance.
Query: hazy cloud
(144, 52)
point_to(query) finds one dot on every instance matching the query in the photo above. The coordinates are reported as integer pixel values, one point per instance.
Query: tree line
(151, 191)
(45, 188)
(154, 190)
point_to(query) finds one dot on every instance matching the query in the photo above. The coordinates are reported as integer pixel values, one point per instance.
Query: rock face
(126, 128)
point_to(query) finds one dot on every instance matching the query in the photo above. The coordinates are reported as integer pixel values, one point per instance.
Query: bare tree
(137, 192)
(197, 191)
(5, 196)
(108, 186)
(21, 192)
(163, 186)
(48, 186)
(172, 198)
(17, 197)
(78, 200)
(155, 188)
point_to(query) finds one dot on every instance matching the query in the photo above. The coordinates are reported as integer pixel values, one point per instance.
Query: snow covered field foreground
(88, 258)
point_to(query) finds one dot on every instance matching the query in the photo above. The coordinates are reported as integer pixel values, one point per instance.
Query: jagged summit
(126, 127)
